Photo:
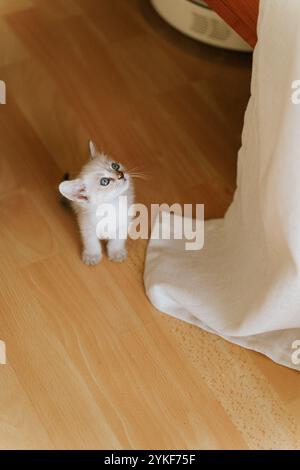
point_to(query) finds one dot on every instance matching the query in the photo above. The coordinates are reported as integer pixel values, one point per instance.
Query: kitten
(100, 181)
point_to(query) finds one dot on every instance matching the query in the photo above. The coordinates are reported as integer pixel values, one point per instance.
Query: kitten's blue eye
(104, 181)
(115, 166)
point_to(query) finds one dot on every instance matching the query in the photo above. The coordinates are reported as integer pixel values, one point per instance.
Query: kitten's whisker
(135, 169)
(135, 172)
(144, 177)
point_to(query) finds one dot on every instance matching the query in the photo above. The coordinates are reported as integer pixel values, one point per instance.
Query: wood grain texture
(241, 15)
(91, 364)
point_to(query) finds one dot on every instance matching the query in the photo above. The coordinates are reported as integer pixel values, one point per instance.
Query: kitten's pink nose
(120, 175)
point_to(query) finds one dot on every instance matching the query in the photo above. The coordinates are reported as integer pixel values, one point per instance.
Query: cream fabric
(244, 285)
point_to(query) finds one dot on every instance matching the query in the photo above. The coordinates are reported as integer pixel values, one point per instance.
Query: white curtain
(244, 285)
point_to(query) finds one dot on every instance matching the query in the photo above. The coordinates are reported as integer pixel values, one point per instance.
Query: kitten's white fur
(87, 194)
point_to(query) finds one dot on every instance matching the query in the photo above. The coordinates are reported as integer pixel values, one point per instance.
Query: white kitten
(101, 181)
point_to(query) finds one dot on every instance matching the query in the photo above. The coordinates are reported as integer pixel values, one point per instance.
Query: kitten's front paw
(118, 256)
(91, 258)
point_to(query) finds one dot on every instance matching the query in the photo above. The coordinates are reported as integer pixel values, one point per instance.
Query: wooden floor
(91, 364)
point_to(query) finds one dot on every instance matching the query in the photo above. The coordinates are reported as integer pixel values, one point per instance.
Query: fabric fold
(244, 285)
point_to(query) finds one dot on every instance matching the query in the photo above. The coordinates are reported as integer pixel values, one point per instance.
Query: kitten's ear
(74, 190)
(93, 149)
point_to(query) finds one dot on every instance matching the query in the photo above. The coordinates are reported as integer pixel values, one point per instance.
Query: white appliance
(196, 19)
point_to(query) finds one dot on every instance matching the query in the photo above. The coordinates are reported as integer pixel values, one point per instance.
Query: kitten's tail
(63, 200)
